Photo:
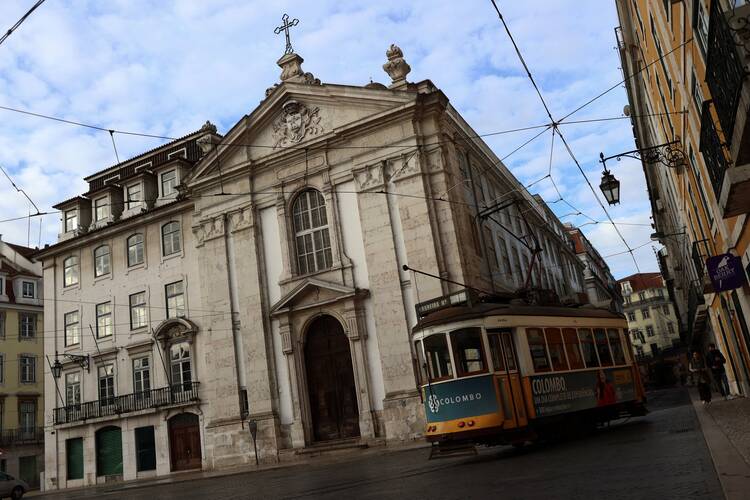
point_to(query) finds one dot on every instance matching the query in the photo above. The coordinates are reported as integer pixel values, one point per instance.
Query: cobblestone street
(733, 417)
(661, 456)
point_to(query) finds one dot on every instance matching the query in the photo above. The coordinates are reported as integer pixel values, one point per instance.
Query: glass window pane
(573, 349)
(602, 347)
(538, 350)
(421, 364)
(556, 349)
(438, 357)
(468, 350)
(614, 342)
(496, 351)
(588, 348)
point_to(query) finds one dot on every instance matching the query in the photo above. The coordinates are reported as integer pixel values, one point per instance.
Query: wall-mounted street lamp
(668, 154)
(82, 361)
(658, 235)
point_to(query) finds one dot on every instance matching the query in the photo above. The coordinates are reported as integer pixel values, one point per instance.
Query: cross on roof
(285, 28)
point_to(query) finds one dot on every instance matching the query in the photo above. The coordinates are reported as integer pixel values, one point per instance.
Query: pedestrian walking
(715, 361)
(700, 375)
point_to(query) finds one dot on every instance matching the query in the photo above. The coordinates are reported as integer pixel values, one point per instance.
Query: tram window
(575, 358)
(602, 347)
(438, 357)
(468, 351)
(588, 348)
(538, 349)
(496, 350)
(510, 359)
(556, 349)
(614, 342)
(421, 361)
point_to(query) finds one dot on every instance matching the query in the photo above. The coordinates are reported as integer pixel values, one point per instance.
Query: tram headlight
(461, 424)
(470, 423)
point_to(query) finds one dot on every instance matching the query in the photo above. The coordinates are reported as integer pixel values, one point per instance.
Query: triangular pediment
(312, 293)
(296, 116)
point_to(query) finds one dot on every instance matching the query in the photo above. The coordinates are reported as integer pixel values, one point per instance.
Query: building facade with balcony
(686, 77)
(600, 285)
(652, 322)
(129, 368)
(256, 280)
(21, 364)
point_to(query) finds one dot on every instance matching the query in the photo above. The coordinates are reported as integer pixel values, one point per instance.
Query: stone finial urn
(396, 67)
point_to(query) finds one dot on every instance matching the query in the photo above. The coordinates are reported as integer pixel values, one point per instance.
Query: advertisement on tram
(574, 391)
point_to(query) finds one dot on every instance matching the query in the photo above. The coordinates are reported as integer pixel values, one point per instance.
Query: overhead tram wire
(555, 129)
(20, 21)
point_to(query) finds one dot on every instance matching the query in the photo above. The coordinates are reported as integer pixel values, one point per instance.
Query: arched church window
(311, 237)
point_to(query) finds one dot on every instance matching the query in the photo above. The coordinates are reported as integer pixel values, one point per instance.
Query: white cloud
(166, 67)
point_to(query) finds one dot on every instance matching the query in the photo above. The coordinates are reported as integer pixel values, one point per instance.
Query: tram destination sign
(460, 398)
(575, 391)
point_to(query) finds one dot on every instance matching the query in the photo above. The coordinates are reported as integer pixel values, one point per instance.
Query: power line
(20, 21)
(19, 189)
(610, 89)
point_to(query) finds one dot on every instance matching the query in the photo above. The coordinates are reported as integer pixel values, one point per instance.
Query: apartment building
(22, 363)
(688, 99)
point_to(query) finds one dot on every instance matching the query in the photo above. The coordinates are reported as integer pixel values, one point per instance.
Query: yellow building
(21, 364)
(684, 64)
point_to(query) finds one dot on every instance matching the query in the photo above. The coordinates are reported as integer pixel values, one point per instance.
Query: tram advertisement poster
(567, 392)
(460, 398)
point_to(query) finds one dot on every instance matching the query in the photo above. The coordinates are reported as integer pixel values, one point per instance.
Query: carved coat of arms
(296, 122)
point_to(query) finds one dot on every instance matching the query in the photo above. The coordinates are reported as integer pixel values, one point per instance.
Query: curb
(731, 469)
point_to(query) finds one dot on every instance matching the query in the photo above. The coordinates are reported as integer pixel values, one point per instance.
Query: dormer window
(71, 220)
(101, 208)
(28, 289)
(133, 195)
(168, 183)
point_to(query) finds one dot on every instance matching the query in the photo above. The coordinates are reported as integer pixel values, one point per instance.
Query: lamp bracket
(82, 361)
(669, 154)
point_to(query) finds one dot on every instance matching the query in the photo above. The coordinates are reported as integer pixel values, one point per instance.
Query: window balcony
(175, 395)
(726, 76)
(16, 437)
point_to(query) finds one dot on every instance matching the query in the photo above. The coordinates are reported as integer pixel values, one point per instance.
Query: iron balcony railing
(712, 149)
(185, 392)
(699, 261)
(10, 437)
(725, 73)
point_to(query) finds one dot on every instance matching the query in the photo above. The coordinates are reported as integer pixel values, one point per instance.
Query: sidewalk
(726, 429)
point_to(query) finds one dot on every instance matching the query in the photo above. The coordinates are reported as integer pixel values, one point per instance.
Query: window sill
(298, 277)
(172, 256)
(103, 277)
(136, 267)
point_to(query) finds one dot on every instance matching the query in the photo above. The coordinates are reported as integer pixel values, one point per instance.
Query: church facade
(280, 265)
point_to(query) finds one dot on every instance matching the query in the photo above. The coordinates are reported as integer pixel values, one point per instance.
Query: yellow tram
(508, 372)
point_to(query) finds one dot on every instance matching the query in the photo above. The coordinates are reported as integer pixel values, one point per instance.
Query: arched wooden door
(185, 442)
(330, 381)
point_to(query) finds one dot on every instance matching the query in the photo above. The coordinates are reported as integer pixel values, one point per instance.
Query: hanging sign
(726, 272)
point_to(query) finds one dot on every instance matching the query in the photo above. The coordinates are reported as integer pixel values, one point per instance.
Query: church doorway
(330, 381)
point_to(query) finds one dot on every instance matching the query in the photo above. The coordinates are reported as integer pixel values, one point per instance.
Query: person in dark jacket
(700, 374)
(715, 362)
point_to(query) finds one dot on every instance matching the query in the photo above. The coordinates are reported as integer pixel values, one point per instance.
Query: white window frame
(138, 246)
(101, 204)
(171, 242)
(76, 400)
(138, 374)
(168, 296)
(172, 183)
(132, 308)
(104, 320)
(25, 295)
(70, 220)
(307, 235)
(108, 256)
(72, 325)
(21, 367)
(107, 398)
(75, 271)
(134, 202)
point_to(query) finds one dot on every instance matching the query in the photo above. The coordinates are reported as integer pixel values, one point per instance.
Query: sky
(165, 67)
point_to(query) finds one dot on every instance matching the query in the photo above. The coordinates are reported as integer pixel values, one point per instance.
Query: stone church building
(256, 278)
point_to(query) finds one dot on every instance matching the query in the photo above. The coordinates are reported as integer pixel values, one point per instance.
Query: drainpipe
(239, 359)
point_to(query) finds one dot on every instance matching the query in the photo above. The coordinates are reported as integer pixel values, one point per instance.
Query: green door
(74, 458)
(27, 470)
(109, 451)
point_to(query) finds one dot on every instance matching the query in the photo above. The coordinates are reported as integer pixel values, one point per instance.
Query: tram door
(508, 379)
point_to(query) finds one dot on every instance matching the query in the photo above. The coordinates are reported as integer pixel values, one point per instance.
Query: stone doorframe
(296, 312)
